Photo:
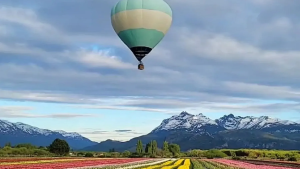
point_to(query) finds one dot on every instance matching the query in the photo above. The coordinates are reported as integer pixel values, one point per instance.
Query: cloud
(24, 112)
(123, 131)
(94, 132)
(226, 57)
(102, 135)
(262, 108)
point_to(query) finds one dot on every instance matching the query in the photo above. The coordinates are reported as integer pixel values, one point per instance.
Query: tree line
(151, 149)
(246, 154)
(57, 148)
(61, 148)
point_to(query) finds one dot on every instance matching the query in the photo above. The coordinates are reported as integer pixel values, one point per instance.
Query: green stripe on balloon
(141, 37)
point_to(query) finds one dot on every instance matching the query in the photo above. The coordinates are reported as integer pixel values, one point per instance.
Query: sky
(62, 67)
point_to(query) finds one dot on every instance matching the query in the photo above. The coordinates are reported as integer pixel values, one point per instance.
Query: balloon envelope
(141, 24)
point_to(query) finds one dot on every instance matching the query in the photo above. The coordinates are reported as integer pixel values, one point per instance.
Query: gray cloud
(24, 112)
(94, 132)
(216, 53)
(123, 131)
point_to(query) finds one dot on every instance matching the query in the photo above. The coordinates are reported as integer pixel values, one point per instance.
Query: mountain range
(17, 133)
(200, 132)
(187, 130)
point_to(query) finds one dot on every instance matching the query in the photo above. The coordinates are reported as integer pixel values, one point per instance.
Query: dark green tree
(174, 149)
(165, 148)
(112, 150)
(89, 155)
(59, 147)
(154, 147)
(148, 148)
(139, 147)
(126, 153)
(26, 145)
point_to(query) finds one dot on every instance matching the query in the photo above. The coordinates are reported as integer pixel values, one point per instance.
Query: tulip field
(231, 164)
(129, 163)
(63, 163)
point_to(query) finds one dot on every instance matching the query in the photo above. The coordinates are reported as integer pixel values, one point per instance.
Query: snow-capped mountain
(8, 127)
(69, 134)
(17, 133)
(249, 122)
(200, 132)
(189, 122)
(185, 121)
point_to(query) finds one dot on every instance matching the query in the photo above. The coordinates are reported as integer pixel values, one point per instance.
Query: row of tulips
(229, 164)
(134, 163)
(213, 165)
(186, 164)
(43, 161)
(2, 160)
(137, 165)
(175, 165)
(240, 164)
(73, 164)
(158, 165)
(199, 164)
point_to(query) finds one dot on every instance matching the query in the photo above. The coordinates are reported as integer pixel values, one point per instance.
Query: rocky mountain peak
(184, 121)
(192, 122)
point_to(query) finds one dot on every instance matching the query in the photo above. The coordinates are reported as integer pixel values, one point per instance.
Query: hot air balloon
(141, 24)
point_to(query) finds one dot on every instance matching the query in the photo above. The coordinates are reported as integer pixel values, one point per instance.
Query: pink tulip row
(71, 164)
(2, 160)
(240, 164)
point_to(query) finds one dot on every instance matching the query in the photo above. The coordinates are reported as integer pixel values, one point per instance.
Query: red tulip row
(30, 159)
(71, 164)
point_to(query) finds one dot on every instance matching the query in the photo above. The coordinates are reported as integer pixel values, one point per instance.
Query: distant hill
(17, 133)
(200, 132)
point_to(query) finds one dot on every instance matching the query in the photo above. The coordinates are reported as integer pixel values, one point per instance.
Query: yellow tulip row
(40, 161)
(159, 165)
(175, 165)
(186, 164)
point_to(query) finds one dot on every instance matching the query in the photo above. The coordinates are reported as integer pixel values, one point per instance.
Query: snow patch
(9, 127)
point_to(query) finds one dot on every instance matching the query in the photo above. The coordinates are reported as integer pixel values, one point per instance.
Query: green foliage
(154, 148)
(115, 154)
(262, 154)
(280, 156)
(252, 155)
(80, 154)
(59, 147)
(214, 154)
(29, 146)
(165, 150)
(196, 164)
(89, 155)
(135, 155)
(174, 149)
(24, 149)
(195, 153)
(292, 158)
(148, 148)
(151, 148)
(126, 153)
(139, 147)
